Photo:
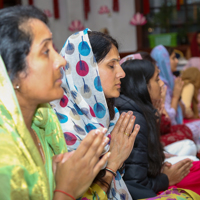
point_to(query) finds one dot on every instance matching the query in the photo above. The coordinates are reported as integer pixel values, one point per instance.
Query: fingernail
(123, 114)
(130, 112)
(104, 130)
(108, 154)
(133, 117)
(137, 126)
(97, 131)
(106, 140)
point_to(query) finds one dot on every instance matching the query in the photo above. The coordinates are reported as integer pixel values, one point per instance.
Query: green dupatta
(22, 172)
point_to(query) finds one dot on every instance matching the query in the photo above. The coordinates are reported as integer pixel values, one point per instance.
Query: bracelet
(111, 171)
(65, 193)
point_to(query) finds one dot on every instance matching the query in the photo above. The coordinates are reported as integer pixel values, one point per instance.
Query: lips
(61, 76)
(118, 85)
(59, 80)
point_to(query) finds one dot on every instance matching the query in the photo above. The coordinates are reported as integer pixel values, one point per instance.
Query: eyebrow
(46, 40)
(114, 59)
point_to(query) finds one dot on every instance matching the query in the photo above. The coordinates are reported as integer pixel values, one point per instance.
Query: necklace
(39, 145)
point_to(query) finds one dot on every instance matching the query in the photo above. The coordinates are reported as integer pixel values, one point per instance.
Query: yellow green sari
(22, 172)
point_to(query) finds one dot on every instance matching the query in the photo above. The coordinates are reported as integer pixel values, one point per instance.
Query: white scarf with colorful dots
(83, 106)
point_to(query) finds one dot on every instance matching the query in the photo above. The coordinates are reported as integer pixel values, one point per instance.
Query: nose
(60, 61)
(161, 83)
(121, 73)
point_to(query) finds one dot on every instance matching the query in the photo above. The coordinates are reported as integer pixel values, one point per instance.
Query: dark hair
(170, 50)
(138, 74)
(16, 36)
(101, 45)
(146, 56)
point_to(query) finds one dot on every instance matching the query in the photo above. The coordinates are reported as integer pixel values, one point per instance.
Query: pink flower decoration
(104, 10)
(76, 25)
(138, 19)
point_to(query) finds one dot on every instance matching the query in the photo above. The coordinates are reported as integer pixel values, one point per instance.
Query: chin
(113, 94)
(59, 94)
(116, 95)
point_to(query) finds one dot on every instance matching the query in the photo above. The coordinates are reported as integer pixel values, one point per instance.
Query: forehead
(113, 54)
(39, 30)
(173, 54)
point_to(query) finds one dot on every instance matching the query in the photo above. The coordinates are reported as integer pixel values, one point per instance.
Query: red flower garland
(86, 4)
(56, 9)
(116, 5)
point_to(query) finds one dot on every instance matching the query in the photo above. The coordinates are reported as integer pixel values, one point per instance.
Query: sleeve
(94, 192)
(171, 111)
(136, 166)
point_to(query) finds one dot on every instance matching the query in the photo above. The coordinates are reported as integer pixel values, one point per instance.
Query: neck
(28, 111)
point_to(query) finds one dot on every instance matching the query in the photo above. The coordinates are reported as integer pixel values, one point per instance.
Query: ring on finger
(127, 134)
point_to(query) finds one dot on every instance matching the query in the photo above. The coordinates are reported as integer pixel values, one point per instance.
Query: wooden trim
(139, 33)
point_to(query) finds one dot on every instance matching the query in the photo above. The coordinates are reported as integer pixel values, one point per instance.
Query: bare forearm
(174, 102)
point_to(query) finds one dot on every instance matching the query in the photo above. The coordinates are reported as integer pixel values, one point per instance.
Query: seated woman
(30, 134)
(145, 163)
(170, 134)
(91, 80)
(167, 64)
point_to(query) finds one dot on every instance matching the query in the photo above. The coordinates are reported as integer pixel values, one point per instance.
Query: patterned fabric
(161, 56)
(22, 172)
(176, 193)
(171, 134)
(83, 106)
(94, 193)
